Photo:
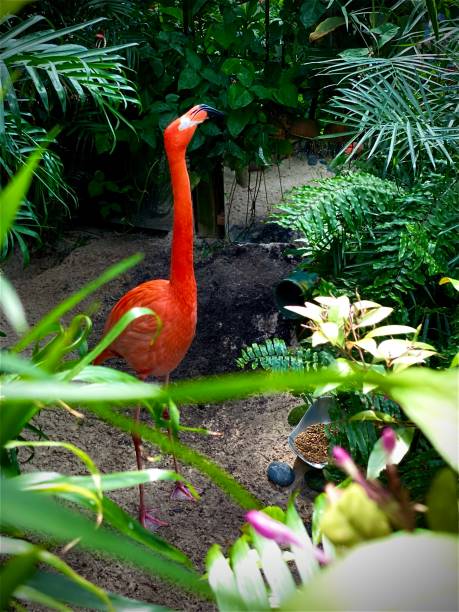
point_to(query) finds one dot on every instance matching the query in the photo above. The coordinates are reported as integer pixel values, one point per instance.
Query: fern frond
(274, 355)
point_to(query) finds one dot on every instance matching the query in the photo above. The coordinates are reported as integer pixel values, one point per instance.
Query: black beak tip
(213, 113)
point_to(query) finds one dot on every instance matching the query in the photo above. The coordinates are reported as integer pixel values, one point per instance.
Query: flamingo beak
(212, 113)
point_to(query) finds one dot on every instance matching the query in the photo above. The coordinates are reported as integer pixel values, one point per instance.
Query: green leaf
(325, 27)
(237, 121)
(390, 330)
(12, 546)
(442, 510)
(193, 59)
(188, 79)
(275, 569)
(373, 415)
(12, 196)
(113, 333)
(431, 400)
(65, 590)
(385, 33)
(222, 581)
(296, 414)
(112, 513)
(238, 96)
(453, 281)
(423, 563)
(433, 15)
(12, 306)
(358, 52)
(64, 525)
(49, 319)
(10, 7)
(378, 457)
(249, 580)
(14, 572)
(286, 94)
(311, 11)
(305, 560)
(374, 316)
(243, 70)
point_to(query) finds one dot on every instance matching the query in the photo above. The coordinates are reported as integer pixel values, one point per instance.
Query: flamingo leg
(180, 491)
(146, 518)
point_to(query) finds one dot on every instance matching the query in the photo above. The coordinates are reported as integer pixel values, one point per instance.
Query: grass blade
(70, 303)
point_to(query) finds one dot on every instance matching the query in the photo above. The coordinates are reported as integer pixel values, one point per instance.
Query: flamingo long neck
(182, 271)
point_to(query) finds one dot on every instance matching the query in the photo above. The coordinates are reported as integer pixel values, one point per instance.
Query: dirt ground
(235, 308)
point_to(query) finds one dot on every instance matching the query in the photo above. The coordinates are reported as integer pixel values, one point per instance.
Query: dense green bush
(392, 243)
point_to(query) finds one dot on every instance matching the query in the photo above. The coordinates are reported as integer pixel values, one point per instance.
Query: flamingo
(175, 300)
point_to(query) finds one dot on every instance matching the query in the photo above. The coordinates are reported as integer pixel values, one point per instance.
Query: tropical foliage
(43, 81)
(386, 231)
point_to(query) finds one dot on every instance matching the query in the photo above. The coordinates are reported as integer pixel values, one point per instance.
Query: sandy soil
(235, 308)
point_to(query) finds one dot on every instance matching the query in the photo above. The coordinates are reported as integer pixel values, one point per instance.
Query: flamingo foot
(182, 493)
(149, 521)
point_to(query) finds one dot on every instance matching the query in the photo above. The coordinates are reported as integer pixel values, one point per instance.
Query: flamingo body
(139, 345)
(148, 350)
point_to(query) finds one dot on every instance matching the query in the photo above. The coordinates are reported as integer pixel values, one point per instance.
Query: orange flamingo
(175, 300)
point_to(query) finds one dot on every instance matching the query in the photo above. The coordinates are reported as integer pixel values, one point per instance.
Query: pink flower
(389, 440)
(272, 529)
(344, 461)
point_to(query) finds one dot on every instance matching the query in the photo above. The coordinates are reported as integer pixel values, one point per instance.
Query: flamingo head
(179, 133)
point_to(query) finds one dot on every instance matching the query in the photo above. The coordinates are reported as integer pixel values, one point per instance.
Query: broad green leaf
(94, 493)
(325, 27)
(433, 15)
(318, 338)
(311, 11)
(10, 7)
(238, 96)
(378, 457)
(14, 546)
(431, 400)
(15, 571)
(331, 331)
(65, 590)
(286, 94)
(373, 415)
(112, 513)
(275, 569)
(63, 525)
(442, 505)
(249, 580)
(385, 32)
(453, 281)
(222, 581)
(108, 482)
(49, 319)
(14, 193)
(237, 121)
(365, 304)
(390, 330)
(304, 557)
(310, 311)
(240, 68)
(193, 59)
(12, 306)
(296, 414)
(424, 565)
(12, 363)
(367, 344)
(375, 316)
(113, 333)
(188, 79)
